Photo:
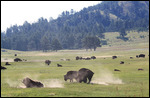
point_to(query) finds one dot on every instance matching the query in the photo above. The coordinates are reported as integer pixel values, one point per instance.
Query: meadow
(106, 82)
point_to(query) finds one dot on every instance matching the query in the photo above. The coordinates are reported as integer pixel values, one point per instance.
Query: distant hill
(70, 28)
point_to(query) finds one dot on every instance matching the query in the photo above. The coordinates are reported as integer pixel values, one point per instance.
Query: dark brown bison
(7, 63)
(83, 74)
(58, 65)
(77, 57)
(17, 60)
(93, 57)
(47, 62)
(114, 57)
(30, 83)
(116, 70)
(122, 62)
(87, 58)
(15, 54)
(131, 57)
(3, 67)
(71, 75)
(140, 69)
(142, 55)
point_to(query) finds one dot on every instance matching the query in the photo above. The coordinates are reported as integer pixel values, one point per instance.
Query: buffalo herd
(87, 58)
(82, 75)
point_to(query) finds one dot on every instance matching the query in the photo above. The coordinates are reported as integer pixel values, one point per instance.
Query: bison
(131, 57)
(93, 57)
(140, 69)
(58, 65)
(3, 67)
(7, 63)
(30, 83)
(142, 55)
(77, 58)
(87, 58)
(116, 70)
(122, 62)
(47, 62)
(114, 57)
(83, 74)
(17, 60)
(137, 56)
(71, 75)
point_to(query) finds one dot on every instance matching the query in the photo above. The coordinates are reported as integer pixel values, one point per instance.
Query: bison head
(65, 77)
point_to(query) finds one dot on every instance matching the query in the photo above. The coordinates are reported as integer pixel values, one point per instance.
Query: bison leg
(90, 78)
(85, 80)
(71, 80)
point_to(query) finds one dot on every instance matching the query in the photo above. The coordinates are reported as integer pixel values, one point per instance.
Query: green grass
(135, 83)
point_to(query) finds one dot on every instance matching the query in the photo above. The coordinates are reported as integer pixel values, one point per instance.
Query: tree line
(73, 30)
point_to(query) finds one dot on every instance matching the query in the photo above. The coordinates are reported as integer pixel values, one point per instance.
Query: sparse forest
(70, 29)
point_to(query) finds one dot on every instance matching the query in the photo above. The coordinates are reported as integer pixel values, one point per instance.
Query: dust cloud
(106, 77)
(53, 83)
(7, 60)
(48, 83)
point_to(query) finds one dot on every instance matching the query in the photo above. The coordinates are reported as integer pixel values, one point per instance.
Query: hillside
(70, 28)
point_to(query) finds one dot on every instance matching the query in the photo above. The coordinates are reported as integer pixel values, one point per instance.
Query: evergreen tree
(56, 45)
(45, 44)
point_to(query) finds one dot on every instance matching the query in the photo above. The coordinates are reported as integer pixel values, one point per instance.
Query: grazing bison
(77, 58)
(87, 58)
(30, 83)
(47, 62)
(58, 65)
(7, 63)
(116, 70)
(71, 75)
(122, 62)
(131, 57)
(93, 57)
(142, 55)
(3, 67)
(17, 60)
(83, 74)
(140, 69)
(114, 57)
(15, 54)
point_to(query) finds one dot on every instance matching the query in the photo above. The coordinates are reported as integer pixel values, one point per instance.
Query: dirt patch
(7, 60)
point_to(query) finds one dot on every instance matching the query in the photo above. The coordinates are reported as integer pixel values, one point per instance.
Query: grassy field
(106, 82)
